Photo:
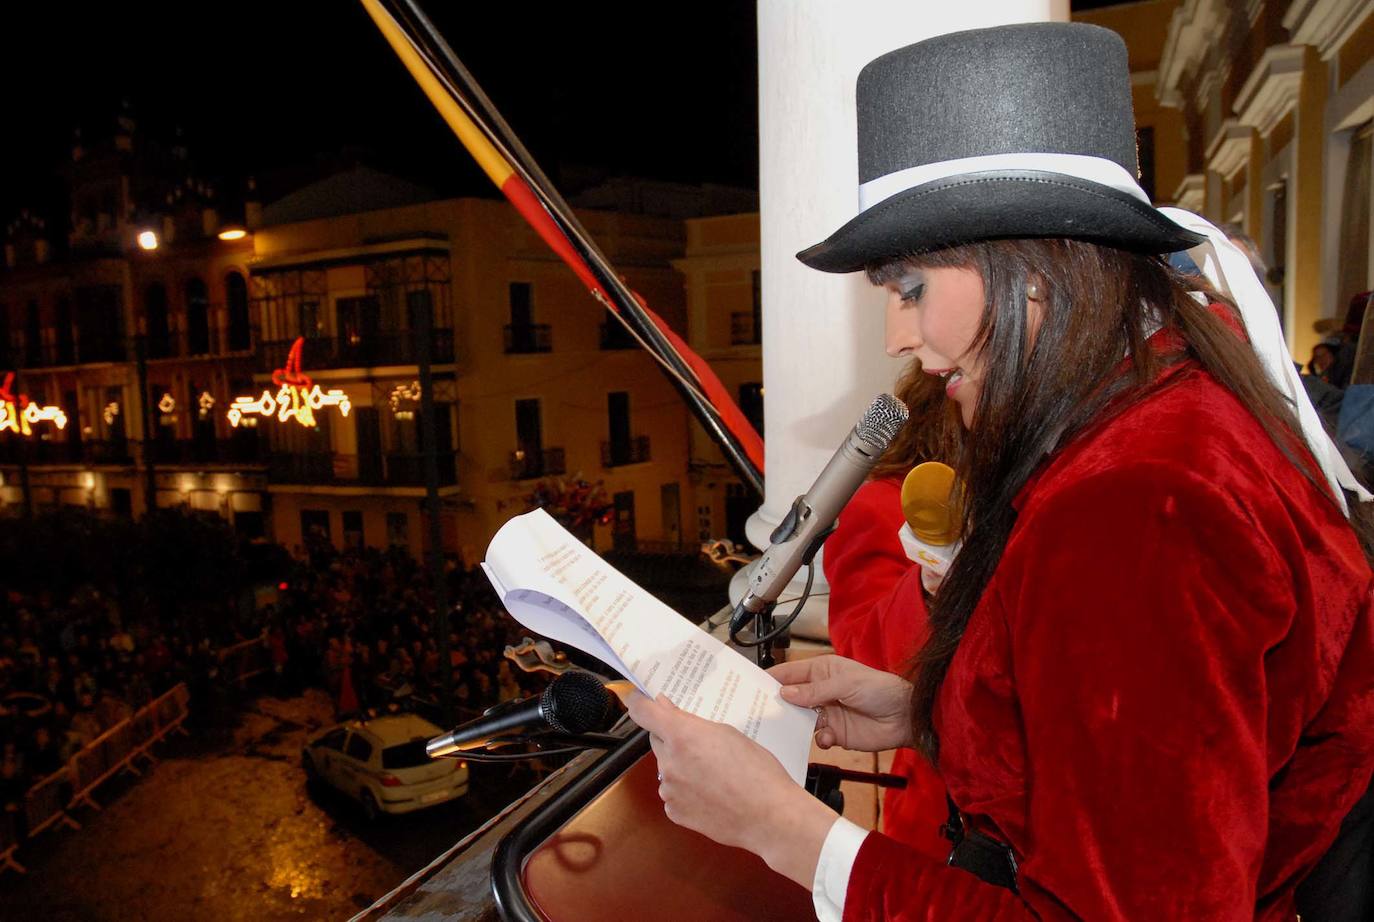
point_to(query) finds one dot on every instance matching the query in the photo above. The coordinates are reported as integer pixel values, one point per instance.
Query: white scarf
(1230, 272)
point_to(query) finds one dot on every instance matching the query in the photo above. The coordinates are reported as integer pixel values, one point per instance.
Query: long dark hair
(1100, 305)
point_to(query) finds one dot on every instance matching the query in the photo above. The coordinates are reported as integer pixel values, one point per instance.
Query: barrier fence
(244, 661)
(50, 800)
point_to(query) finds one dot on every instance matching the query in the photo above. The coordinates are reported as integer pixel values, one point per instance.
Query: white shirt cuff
(841, 847)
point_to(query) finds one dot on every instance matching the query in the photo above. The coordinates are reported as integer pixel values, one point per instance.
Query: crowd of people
(359, 624)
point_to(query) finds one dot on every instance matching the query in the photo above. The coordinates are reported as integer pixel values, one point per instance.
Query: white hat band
(1099, 170)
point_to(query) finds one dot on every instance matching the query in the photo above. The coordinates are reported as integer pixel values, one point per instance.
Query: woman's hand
(858, 708)
(716, 781)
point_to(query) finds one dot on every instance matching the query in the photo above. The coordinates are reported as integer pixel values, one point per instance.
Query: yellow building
(724, 307)
(1277, 100)
(532, 380)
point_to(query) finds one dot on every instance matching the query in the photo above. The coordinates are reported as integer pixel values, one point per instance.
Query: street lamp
(147, 239)
(233, 232)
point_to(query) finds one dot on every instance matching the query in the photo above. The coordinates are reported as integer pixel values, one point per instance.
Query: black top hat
(1014, 131)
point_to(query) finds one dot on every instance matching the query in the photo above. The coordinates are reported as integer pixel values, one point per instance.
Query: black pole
(146, 415)
(24, 486)
(449, 70)
(423, 318)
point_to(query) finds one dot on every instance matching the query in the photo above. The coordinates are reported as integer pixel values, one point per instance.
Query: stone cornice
(1191, 31)
(1191, 194)
(1230, 148)
(1324, 24)
(1271, 90)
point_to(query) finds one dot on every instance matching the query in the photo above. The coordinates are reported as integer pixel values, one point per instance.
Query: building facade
(274, 378)
(1277, 100)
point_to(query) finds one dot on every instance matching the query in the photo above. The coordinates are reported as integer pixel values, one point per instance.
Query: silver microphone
(812, 517)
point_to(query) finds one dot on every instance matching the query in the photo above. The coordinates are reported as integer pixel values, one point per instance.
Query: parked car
(382, 764)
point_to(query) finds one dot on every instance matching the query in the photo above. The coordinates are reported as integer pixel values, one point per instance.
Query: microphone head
(885, 417)
(929, 503)
(576, 702)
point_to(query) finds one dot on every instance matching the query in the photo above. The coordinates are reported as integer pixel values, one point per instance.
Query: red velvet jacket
(878, 617)
(1164, 701)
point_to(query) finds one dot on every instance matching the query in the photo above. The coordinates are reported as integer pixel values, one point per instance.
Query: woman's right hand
(859, 708)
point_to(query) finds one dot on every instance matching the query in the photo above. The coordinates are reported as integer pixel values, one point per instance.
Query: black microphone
(812, 517)
(575, 702)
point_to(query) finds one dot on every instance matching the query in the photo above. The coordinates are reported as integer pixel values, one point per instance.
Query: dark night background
(286, 90)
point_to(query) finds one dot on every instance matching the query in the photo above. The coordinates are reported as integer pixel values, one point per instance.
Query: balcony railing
(88, 351)
(393, 469)
(527, 465)
(743, 330)
(615, 336)
(207, 451)
(616, 454)
(528, 337)
(14, 450)
(191, 344)
(391, 348)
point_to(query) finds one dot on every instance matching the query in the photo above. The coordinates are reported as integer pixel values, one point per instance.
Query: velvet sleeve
(877, 611)
(1136, 607)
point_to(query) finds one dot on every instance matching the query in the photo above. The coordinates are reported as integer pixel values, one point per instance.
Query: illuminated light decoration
(111, 412)
(297, 397)
(207, 403)
(167, 404)
(19, 415)
(404, 392)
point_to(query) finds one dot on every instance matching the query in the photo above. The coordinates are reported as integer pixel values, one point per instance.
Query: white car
(381, 763)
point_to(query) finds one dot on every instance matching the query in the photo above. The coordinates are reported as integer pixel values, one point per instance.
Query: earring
(1033, 291)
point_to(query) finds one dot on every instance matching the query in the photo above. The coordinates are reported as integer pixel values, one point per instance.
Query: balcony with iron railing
(617, 453)
(19, 450)
(546, 462)
(745, 329)
(526, 338)
(396, 347)
(390, 469)
(206, 451)
(85, 351)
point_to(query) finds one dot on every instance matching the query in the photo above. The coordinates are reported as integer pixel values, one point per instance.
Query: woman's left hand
(720, 783)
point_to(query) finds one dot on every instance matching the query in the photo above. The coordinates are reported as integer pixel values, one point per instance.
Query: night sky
(285, 89)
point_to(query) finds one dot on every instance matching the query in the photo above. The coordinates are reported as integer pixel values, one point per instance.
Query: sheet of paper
(546, 576)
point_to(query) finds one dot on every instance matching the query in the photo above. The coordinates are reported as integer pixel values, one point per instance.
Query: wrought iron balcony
(633, 451)
(527, 465)
(206, 451)
(396, 347)
(393, 469)
(524, 338)
(90, 350)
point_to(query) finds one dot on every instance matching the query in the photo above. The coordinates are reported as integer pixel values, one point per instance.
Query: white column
(823, 358)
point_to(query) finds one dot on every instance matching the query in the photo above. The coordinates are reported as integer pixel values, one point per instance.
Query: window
(66, 346)
(358, 748)
(155, 321)
(521, 304)
(236, 303)
(353, 529)
(308, 319)
(33, 335)
(405, 755)
(197, 317)
(397, 530)
(522, 333)
(315, 525)
(334, 739)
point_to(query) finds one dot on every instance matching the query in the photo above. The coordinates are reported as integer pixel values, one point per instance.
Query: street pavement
(224, 828)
